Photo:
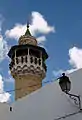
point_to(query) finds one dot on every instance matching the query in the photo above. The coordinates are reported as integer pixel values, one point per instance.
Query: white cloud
(3, 48)
(75, 60)
(16, 31)
(4, 96)
(70, 70)
(75, 55)
(38, 25)
(41, 39)
(3, 43)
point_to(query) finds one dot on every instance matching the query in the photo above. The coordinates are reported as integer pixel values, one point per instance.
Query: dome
(27, 38)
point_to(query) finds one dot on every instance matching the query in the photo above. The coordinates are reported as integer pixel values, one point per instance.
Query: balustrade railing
(24, 59)
(35, 60)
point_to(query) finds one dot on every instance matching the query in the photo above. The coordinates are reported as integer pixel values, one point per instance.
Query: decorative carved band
(31, 70)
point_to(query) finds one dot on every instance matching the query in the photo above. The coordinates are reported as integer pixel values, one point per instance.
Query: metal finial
(27, 33)
(27, 24)
(28, 21)
(63, 74)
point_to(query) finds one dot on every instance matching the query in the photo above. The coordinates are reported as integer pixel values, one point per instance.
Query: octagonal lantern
(65, 83)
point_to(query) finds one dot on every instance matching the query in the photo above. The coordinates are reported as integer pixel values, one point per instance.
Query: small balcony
(28, 61)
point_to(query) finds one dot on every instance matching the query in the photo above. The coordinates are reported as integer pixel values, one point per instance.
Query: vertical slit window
(17, 60)
(39, 61)
(31, 59)
(22, 59)
(26, 59)
(35, 60)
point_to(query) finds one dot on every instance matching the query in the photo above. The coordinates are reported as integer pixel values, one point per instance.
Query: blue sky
(63, 44)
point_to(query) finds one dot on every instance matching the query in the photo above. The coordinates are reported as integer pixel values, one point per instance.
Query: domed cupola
(27, 38)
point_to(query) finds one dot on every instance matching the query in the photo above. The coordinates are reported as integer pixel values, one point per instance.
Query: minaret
(27, 65)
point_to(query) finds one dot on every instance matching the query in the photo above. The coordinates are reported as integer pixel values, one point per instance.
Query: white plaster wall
(47, 103)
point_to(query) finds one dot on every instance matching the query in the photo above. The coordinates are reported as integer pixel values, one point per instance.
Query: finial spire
(27, 33)
(27, 24)
(28, 20)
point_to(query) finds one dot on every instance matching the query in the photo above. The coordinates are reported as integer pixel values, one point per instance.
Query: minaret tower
(27, 65)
